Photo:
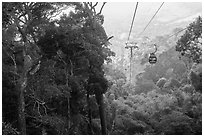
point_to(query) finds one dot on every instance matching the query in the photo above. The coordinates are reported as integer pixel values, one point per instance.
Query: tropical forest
(77, 68)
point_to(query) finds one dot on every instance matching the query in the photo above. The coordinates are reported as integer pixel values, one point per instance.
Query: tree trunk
(68, 113)
(90, 130)
(112, 121)
(68, 97)
(22, 82)
(21, 101)
(99, 97)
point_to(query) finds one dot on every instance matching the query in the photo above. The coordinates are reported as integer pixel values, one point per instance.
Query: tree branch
(95, 4)
(13, 59)
(110, 38)
(93, 7)
(103, 43)
(71, 70)
(20, 29)
(101, 8)
(57, 13)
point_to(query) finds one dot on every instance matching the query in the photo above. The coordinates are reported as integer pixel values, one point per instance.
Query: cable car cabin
(152, 58)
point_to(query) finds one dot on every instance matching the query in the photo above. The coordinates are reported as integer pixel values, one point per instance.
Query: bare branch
(52, 16)
(34, 105)
(95, 4)
(101, 8)
(107, 41)
(39, 102)
(93, 8)
(39, 110)
(110, 38)
(89, 3)
(71, 73)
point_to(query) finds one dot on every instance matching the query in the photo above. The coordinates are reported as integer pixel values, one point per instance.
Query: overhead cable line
(132, 21)
(151, 19)
(177, 33)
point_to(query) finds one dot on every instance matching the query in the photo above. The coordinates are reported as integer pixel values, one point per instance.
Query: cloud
(187, 19)
(123, 36)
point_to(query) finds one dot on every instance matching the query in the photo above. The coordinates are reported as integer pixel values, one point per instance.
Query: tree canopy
(190, 43)
(58, 61)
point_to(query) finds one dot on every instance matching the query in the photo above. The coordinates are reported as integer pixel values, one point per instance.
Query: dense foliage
(60, 65)
(56, 78)
(159, 103)
(190, 44)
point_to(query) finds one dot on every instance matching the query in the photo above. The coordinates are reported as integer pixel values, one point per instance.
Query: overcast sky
(120, 13)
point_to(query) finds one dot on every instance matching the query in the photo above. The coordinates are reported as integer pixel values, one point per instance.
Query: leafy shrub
(175, 123)
(133, 126)
(180, 96)
(111, 97)
(179, 68)
(54, 123)
(169, 73)
(120, 82)
(197, 98)
(197, 68)
(129, 88)
(129, 126)
(129, 103)
(172, 83)
(185, 81)
(160, 83)
(122, 108)
(145, 86)
(196, 80)
(136, 115)
(188, 88)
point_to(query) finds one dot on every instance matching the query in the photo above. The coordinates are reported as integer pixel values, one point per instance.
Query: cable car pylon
(131, 45)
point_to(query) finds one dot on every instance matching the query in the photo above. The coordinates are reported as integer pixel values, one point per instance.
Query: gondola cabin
(152, 58)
